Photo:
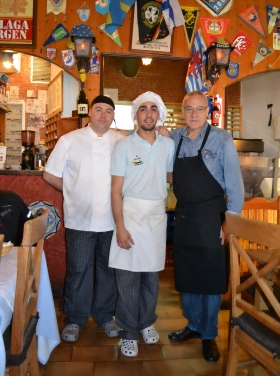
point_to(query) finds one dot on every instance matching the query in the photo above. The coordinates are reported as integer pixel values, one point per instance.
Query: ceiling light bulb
(146, 60)
(7, 64)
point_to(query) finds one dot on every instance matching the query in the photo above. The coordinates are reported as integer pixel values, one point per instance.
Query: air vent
(40, 70)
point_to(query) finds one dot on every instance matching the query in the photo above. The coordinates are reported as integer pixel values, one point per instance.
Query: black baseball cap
(103, 99)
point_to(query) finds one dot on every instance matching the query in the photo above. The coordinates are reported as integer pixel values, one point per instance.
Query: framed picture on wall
(151, 19)
(18, 23)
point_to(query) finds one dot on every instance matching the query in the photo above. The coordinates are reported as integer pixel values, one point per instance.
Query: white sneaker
(70, 333)
(150, 335)
(129, 347)
(111, 329)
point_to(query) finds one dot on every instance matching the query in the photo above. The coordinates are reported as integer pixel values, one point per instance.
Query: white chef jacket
(83, 159)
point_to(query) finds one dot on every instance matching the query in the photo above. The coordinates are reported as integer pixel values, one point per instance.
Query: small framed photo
(157, 46)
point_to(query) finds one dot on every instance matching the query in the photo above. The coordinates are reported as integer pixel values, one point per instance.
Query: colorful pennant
(51, 53)
(58, 33)
(115, 36)
(68, 58)
(276, 41)
(83, 13)
(213, 28)
(262, 52)
(190, 17)
(102, 6)
(151, 23)
(216, 8)
(252, 18)
(272, 16)
(117, 12)
(233, 70)
(242, 42)
(56, 6)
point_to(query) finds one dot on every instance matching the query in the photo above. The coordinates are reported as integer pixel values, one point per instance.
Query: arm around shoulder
(53, 180)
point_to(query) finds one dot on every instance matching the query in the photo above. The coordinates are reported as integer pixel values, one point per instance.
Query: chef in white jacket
(141, 164)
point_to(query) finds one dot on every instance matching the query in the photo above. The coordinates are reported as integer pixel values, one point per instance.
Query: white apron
(146, 222)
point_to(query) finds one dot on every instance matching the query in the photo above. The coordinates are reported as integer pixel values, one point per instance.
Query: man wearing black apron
(206, 168)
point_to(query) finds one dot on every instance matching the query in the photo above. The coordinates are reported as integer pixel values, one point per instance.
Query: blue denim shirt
(220, 157)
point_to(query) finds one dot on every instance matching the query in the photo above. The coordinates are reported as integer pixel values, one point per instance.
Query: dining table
(46, 330)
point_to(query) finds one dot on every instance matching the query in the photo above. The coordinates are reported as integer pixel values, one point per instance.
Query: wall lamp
(146, 60)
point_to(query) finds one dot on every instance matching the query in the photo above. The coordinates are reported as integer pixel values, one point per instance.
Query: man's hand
(163, 131)
(224, 233)
(124, 239)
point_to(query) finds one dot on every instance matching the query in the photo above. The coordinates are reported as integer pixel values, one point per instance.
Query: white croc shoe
(70, 333)
(150, 335)
(129, 347)
(111, 329)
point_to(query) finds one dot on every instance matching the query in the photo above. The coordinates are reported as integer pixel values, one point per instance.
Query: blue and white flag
(194, 79)
(172, 14)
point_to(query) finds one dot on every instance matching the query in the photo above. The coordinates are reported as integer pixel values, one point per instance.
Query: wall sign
(17, 23)
(216, 8)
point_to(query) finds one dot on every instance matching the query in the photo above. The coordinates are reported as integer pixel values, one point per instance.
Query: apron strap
(179, 147)
(205, 138)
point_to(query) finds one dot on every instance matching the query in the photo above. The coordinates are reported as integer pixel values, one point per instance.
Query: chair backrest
(1, 243)
(28, 279)
(268, 235)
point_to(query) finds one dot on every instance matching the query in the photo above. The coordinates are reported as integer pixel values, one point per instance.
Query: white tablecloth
(46, 330)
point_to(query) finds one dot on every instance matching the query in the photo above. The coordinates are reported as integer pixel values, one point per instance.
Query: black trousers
(137, 300)
(90, 287)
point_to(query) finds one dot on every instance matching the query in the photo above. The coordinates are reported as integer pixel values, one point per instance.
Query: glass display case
(260, 176)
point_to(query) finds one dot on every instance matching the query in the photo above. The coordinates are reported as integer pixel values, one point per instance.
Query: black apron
(199, 257)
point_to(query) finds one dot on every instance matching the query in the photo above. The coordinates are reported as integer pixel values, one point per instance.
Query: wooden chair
(23, 351)
(256, 331)
(1, 243)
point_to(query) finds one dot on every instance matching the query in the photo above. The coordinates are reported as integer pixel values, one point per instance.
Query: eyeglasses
(199, 109)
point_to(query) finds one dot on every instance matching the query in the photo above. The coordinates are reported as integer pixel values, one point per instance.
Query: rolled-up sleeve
(118, 161)
(234, 187)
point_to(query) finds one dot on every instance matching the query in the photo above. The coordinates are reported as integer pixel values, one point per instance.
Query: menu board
(55, 95)
(13, 127)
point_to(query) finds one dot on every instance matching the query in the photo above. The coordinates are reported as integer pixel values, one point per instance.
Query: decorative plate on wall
(53, 224)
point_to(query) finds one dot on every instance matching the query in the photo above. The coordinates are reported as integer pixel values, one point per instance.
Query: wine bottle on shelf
(82, 103)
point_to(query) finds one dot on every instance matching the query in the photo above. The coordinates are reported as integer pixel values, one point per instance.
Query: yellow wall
(45, 25)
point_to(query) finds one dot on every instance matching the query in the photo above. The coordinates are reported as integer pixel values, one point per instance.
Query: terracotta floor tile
(86, 339)
(145, 352)
(119, 369)
(175, 313)
(162, 314)
(95, 354)
(101, 339)
(170, 324)
(222, 334)
(178, 367)
(69, 369)
(186, 351)
(61, 354)
(203, 368)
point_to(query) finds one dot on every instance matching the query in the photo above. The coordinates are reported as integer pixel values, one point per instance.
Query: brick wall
(22, 80)
(164, 77)
(234, 94)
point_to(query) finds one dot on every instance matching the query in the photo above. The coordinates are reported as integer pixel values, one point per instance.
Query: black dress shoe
(210, 350)
(183, 335)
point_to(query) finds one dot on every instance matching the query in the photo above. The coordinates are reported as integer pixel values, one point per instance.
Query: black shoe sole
(183, 340)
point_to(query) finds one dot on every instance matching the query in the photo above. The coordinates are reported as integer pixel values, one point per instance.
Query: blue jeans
(202, 313)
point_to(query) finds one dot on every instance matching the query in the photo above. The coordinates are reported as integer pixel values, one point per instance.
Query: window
(40, 70)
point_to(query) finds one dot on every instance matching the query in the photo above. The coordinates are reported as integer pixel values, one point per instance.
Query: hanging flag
(216, 8)
(276, 41)
(51, 53)
(262, 52)
(172, 14)
(115, 36)
(242, 42)
(56, 6)
(151, 23)
(117, 13)
(58, 33)
(252, 18)
(272, 16)
(213, 28)
(190, 17)
(102, 6)
(194, 79)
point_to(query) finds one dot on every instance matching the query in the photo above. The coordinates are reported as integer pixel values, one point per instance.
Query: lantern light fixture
(217, 58)
(83, 38)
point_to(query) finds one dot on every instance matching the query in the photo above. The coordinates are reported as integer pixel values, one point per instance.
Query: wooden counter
(31, 187)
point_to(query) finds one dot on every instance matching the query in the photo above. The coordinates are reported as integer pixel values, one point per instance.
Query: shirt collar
(94, 135)
(137, 138)
(201, 134)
